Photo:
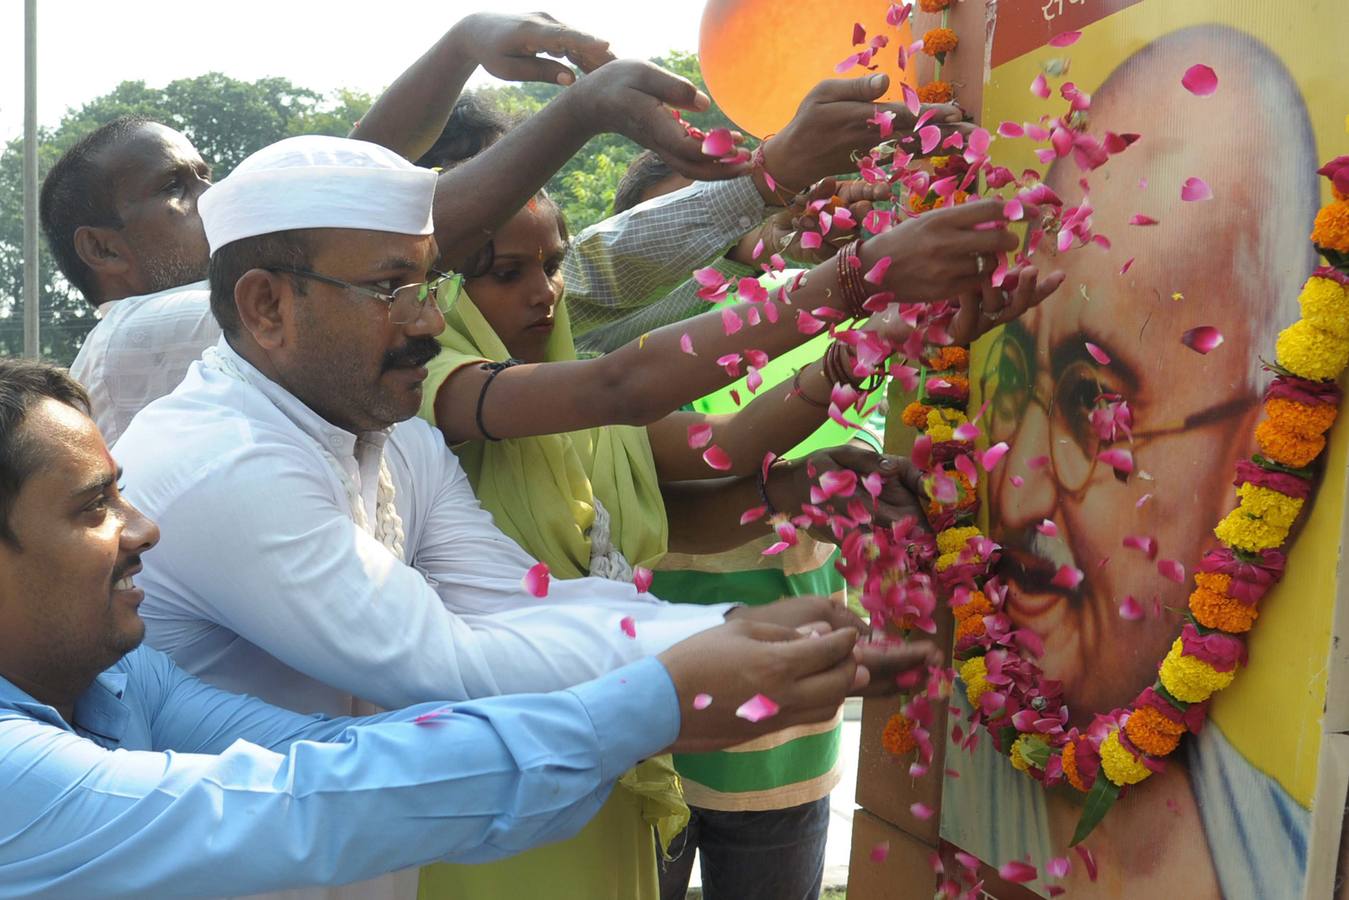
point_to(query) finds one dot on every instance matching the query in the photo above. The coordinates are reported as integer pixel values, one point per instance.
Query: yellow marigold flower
(1152, 732)
(1331, 229)
(1286, 446)
(1121, 766)
(941, 433)
(897, 738)
(973, 672)
(1068, 756)
(953, 540)
(941, 422)
(947, 560)
(938, 161)
(1301, 418)
(935, 92)
(915, 415)
(1325, 304)
(1260, 522)
(939, 40)
(1191, 679)
(1021, 748)
(1214, 609)
(1308, 352)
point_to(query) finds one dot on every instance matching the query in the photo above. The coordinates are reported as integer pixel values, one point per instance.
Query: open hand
(942, 253)
(983, 310)
(509, 46)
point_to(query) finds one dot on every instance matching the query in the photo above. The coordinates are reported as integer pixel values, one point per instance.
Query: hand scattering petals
(757, 708)
(1203, 339)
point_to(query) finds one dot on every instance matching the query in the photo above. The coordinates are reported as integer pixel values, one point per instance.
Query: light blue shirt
(167, 787)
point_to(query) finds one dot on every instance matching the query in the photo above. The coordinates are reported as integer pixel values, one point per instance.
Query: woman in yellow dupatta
(589, 501)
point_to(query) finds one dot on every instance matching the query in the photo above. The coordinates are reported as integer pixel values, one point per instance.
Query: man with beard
(1229, 826)
(119, 208)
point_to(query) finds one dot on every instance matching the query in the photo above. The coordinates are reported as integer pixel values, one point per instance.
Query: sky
(86, 48)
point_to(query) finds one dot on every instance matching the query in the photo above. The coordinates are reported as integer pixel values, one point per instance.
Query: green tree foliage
(226, 119)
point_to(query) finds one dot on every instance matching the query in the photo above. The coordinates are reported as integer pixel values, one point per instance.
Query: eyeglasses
(1011, 383)
(405, 303)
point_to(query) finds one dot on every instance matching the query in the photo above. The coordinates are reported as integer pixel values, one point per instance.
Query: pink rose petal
(717, 458)
(993, 455)
(965, 431)
(1065, 39)
(730, 322)
(877, 272)
(880, 852)
(1017, 481)
(967, 860)
(1058, 867)
(1141, 500)
(1120, 459)
(1011, 130)
(1048, 528)
(1098, 354)
(629, 626)
(911, 99)
(1128, 264)
(1195, 189)
(702, 701)
(1200, 80)
(1067, 577)
(757, 708)
(1088, 860)
(811, 240)
(1017, 872)
(718, 142)
(921, 811)
(1203, 339)
(753, 514)
(535, 581)
(1142, 543)
(641, 579)
(432, 717)
(929, 137)
(700, 436)
(686, 344)
(1171, 570)
(1040, 87)
(1129, 611)
(1038, 462)
(1140, 219)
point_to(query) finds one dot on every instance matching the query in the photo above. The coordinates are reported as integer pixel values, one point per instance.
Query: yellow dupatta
(541, 491)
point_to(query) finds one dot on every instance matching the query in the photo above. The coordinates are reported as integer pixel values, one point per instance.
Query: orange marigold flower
(897, 738)
(949, 358)
(1068, 756)
(1287, 447)
(1331, 230)
(935, 92)
(968, 496)
(1214, 581)
(975, 608)
(939, 40)
(915, 415)
(1152, 732)
(933, 5)
(970, 626)
(1301, 418)
(1214, 610)
(919, 202)
(955, 199)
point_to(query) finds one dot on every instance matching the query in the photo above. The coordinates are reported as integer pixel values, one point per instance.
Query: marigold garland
(933, 6)
(935, 92)
(1331, 230)
(939, 42)
(1119, 764)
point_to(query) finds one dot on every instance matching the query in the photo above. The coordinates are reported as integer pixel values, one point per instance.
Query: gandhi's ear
(262, 299)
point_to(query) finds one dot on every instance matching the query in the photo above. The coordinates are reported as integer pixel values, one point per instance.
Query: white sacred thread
(606, 560)
(388, 528)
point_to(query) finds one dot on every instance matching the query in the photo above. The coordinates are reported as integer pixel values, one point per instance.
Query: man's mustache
(418, 351)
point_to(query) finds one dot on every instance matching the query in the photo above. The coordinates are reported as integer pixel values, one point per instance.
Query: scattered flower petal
(993, 455)
(702, 701)
(1203, 339)
(700, 436)
(1129, 610)
(686, 344)
(1171, 570)
(1065, 39)
(432, 717)
(1048, 528)
(1195, 189)
(929, 136)
(717, 458)
(1040, 87)
(757, 708)
(1128, 264)
(1088, 860)
(1067, 577)
(641, 579)
(1140, 219)
(1141, 500)
(718, 142)
(1200, 80)
(629, 626)
(1058, 867)
(921, 811)
(536, 580)
(1121, 459)
(1142, 543)
(880, 852)
(1098, 354)
(1017, 872)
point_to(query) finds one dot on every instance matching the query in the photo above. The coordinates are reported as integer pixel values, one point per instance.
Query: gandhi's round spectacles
(405, 303)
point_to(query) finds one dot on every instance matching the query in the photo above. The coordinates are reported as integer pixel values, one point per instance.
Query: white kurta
(140, 350)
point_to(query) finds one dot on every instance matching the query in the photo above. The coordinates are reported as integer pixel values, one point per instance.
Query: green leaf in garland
(1166, 695)
(1102, 796)
(1007, 735)
(1035, 749)
(1270, 465)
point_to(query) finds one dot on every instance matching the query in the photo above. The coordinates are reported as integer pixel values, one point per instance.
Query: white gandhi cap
(318, 182)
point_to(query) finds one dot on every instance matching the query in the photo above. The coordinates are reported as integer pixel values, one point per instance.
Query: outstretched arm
(409, 116)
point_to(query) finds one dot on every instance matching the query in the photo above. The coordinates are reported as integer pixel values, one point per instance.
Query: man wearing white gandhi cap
(315, 553)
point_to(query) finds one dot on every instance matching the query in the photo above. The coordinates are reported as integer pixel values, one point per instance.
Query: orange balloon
(760, 57)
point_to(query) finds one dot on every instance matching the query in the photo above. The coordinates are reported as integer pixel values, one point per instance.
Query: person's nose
(139, 531)
(543, 290)
(430, 321)
(1030, 460)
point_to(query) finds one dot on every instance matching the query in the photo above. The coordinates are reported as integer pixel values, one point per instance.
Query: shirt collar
(100, 710)
(340, 442)
(107, 306)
